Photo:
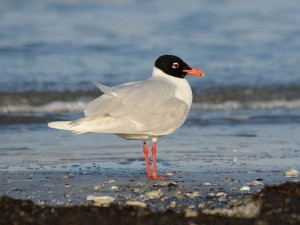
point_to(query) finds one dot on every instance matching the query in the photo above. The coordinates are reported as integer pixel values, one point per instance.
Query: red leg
(146, 159)
(154, 175)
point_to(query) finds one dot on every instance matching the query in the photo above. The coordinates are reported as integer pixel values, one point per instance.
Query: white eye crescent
(175, 65)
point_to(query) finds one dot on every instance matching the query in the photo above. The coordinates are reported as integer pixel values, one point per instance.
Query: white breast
(181, 86)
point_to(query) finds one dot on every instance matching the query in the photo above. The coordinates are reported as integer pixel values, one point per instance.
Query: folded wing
(146, 107)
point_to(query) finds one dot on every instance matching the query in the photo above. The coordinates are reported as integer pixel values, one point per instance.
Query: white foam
(52, 107)
(231, 105)
(78, 106)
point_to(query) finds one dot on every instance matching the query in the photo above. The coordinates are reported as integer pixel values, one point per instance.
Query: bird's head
(175, 66)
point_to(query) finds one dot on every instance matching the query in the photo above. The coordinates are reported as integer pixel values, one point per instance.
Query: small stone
(190, 213)
(136, 203)
(68, 194)
(68, 176)
(194, 194)
(110, 181)
(229, 179)
(173, 204)
(256, 183)
(291, 173)
(234, 188)
(207, 184)
(154, 194)
(201, 205)
(211, 195)
(100, 200)
(161, 184)
(245, 188)
(114, 188)
(221, 194)
(169, 174)
(96, 187)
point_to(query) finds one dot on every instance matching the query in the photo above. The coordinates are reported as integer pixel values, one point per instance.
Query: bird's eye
(175, 65)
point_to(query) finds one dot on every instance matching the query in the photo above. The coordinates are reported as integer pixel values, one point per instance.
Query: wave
(221, 98)
(78, 106)
(213, 94)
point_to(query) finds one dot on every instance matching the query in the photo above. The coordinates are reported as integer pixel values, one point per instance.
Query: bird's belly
(137, 136)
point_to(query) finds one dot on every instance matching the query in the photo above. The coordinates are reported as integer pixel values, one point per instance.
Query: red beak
(195, 72)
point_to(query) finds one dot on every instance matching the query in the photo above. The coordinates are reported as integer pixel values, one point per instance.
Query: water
(246, 110)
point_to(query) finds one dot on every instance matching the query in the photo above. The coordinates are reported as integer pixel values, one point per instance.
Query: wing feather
(147, 107)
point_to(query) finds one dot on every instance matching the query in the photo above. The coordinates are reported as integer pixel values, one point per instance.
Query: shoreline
(275, 204)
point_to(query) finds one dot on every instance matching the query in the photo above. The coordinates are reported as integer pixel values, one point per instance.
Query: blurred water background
(248, 103)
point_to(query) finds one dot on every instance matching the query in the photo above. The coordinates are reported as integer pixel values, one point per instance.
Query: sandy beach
(82, 198)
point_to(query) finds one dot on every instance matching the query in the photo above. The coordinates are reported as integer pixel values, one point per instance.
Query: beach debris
(68, 194)
(67, 186)
(154, 194)
(291, 173)
(136, 203)
(229, 179)
(110, 181)
(255, 183)
(169, 174)
(249, 209)
(96, 187)
(245, 188)
(194, 194)
(179, 194)
(234, 188)
(190, 213)
(173, 204)
(114, 188)
(210, 195)
(68, 176)
(100, 200)
(221, 194)
(166, 184)
(201, 205)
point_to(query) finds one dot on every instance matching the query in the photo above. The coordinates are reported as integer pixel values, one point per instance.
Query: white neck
(182, 87)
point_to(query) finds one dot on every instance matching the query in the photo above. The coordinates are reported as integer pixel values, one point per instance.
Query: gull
(141, 110)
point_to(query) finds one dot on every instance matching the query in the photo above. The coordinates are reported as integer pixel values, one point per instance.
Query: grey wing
(148, 106)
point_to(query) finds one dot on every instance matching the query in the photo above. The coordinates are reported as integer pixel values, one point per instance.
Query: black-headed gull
(140, 110)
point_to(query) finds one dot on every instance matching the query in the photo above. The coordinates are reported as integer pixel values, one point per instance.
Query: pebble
(170, 174)
(256, 183)
(190, 213)
(68, 176)
(211, 194)
(114, 188)
(207, 184)
(166, 184)
(154, 194)
(100, 200)
(245, 188)
(201, 205)
(110, 181)
(229, 179)
(136, 203)
(291, 173)
(96, 187)
(173, 204)
(68, 194)
(194, 194)
(221, 194)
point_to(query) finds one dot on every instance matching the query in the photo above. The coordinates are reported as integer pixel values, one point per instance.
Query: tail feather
(61, 125)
